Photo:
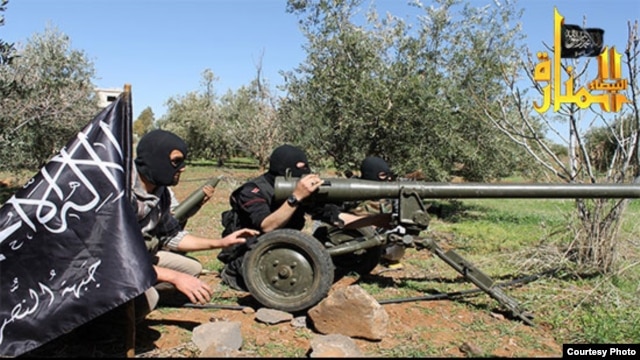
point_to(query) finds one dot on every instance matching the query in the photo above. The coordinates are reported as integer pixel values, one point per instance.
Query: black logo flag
(70, 245)
(577, 42)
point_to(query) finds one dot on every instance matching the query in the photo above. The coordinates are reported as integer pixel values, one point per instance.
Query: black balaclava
(153, 160)
(372, 166)
(286, 157)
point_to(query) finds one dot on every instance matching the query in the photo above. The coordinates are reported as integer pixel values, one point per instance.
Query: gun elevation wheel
(361, 261)
(288, 270)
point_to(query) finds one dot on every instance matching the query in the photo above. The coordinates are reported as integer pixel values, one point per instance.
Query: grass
(491, 225)
(599, 309)
(609, 326)
(273, 347)
(498, 237)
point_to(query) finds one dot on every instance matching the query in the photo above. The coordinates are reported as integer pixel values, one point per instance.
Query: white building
(107, 96)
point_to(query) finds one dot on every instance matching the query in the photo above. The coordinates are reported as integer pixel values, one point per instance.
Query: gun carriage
(291, 271)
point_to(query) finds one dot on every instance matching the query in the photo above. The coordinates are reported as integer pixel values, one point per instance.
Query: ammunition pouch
(230, 222)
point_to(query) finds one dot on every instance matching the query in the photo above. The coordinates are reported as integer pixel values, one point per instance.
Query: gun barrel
(339, 190)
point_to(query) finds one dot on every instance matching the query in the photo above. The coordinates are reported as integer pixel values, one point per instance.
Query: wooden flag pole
(130, 334)
(130, 309)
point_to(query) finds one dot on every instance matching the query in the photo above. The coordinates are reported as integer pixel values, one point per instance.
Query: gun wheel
(288, 270)
(361, 261)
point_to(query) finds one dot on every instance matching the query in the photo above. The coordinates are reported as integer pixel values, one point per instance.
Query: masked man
(159, 163)
(257, 209)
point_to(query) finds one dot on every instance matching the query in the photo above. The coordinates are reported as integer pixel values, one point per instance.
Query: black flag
(70, 245)
(577, 42)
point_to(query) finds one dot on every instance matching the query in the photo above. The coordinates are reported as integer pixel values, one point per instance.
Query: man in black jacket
(256, 208)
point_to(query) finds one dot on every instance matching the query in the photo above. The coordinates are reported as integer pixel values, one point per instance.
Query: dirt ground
(438, 328)
(443, 326)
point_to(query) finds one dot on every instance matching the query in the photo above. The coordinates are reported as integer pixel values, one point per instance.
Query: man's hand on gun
(328, 213)
(307, 185)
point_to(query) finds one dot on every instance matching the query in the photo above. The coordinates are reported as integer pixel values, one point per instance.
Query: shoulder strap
(260, 182)
(265, 187)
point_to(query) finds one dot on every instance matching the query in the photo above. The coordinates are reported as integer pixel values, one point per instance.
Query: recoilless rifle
(291, 271)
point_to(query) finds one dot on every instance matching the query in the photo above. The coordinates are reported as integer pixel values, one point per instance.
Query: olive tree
(144, 123)
(7, 50)
(251, 121)
(193, 117)
(241, 122)
(51, 98)
(386, 88)
(196, 117)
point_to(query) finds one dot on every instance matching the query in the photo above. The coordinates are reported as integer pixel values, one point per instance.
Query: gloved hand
(328, 213)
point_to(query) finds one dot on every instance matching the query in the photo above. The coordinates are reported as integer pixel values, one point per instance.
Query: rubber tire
(361, 264)
(288, 270)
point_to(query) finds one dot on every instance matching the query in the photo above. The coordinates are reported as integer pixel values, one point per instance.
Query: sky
(162, 47)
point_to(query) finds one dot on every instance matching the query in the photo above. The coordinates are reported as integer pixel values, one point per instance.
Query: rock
(352, 312)
(271, 316)
(218, 336)
(334, 346)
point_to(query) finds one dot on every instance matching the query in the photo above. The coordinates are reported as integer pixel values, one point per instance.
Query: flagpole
(130, 309)
(130, 334)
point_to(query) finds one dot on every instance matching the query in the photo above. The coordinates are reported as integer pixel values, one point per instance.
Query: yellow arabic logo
(609, 79)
